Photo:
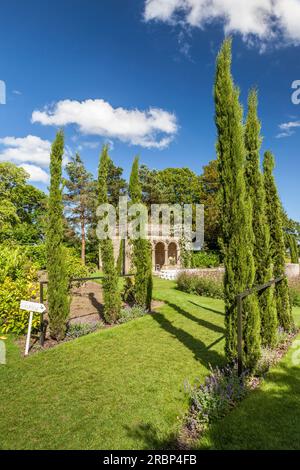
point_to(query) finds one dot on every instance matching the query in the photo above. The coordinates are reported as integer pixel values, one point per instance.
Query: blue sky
(140, 75)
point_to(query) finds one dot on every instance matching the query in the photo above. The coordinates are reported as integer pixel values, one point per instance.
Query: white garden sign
(31, 307)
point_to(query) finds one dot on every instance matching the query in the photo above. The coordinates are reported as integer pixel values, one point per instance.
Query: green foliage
(120, 260)
(204, 286)
(295, 292)
(261, 250)
(73, 264)
(17, 282)
(22, 206)
(13, 262)
(21, 285)
(111, 293)
(141, 249)
(58, 301)
(128, 291)
(236, 213)
(277, 244)
(185, 254)
(205, 259)
(141, 258)
(135, 189)
(37, 254)
(293, 246)
(130, 313)
(210, 192)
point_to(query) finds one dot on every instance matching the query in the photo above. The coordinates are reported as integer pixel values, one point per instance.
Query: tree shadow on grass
(205, 356)
(219, 312)
(199, 321)
(149, 436)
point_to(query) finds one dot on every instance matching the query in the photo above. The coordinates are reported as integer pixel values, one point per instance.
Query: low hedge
(196, 284)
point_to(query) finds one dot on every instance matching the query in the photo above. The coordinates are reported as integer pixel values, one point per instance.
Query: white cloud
(287, 128)
(36, 174)
(154, 128)
(264, 20)
(30, 152)
(29, 149)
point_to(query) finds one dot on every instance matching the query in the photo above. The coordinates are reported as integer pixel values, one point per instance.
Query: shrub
(13, 262)
(205, 259)
(130, 313)
(210, 401)
(37, 254)
(207, 287)
(295, 295)
(12, 319)
(75, 330)
(74, 265)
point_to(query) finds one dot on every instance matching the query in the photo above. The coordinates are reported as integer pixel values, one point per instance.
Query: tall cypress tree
(236, 214)
(58, 301)
(277, 244)
(141, 249)
(261, 251)
(111, 293)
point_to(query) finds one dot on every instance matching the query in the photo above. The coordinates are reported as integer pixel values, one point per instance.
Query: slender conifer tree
(111, 293)
(141, 249)
(261, 251)
(58, 300)
(277, 244)
(236, 214)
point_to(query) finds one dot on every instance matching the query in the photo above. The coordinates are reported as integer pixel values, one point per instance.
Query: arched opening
(172, 254)
(159, 254)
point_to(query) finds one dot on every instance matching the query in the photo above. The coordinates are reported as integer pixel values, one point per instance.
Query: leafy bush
(74, 265)
(17, 282)
(207, 287)
(13, 262)
(130, 313)
(75, 330)
(37, 254)
(205, 259)
(12, 319)
(210, 401)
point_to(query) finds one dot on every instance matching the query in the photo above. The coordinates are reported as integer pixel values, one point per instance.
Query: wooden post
(240, 334)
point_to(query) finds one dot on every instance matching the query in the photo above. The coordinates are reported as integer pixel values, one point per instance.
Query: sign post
(31, 307)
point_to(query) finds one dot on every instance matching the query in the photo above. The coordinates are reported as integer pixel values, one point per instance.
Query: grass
(270, 417)
(122, 388)
(115, 389)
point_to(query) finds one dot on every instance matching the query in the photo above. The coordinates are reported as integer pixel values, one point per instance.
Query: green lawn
(115, 389)
(270, 417)
(123, 388)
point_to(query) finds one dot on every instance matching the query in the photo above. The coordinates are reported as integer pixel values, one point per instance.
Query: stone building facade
(165, 250)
